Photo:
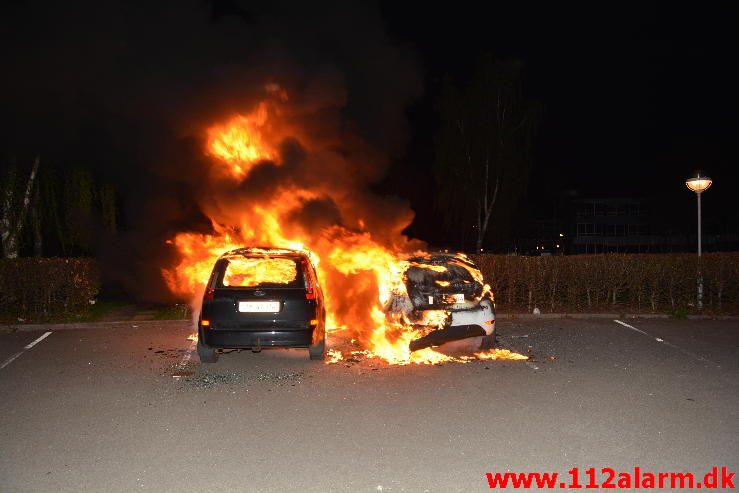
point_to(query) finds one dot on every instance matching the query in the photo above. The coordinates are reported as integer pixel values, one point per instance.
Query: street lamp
(699, 184)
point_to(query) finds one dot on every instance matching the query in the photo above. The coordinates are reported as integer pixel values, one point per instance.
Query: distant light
(699, 184)
(561, 235)
(557, 246)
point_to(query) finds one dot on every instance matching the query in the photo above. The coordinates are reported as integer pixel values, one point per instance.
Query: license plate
(259, 306)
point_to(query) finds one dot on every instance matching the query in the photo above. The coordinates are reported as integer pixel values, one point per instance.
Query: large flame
(358, 271)
(238, 142)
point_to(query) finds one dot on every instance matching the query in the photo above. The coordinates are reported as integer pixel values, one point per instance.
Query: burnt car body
(262, 297)
(447, 299)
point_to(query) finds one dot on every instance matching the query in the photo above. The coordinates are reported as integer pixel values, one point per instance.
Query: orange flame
(239, 142)
(360, 273)
(254, 271)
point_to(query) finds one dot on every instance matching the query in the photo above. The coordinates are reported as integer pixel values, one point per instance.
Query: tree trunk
(485, 210)
(6, 222)
(12, 221)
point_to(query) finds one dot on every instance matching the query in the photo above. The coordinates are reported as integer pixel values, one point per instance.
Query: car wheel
(318, 351)
(488, 342)
(207, 354)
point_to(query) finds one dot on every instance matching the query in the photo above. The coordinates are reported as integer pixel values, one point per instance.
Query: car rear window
(440, 274)
(253, 272)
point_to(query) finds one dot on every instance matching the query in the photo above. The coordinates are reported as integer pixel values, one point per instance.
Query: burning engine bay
(276, 178)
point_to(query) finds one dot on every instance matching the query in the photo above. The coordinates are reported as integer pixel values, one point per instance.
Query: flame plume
(272, 183)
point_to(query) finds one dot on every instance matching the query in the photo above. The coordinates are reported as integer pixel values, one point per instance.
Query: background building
(612, 225)
(634, 225)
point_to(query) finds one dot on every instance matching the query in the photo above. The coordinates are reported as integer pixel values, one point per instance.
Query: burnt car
(262, 297)
(446, 298)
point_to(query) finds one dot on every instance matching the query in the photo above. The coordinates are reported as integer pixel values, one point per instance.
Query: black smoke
(127, 87)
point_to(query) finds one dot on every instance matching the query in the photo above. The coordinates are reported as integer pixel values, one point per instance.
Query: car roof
(264, 252)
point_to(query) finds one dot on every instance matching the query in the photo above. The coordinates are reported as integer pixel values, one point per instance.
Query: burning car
(376, 292)
(446, 299)
(262, 297)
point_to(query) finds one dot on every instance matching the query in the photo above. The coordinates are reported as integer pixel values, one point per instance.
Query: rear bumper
(439, 337)
(472, 322)
(257, 338)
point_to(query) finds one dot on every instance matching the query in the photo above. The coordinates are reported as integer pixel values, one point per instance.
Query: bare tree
(14, 211)
(483, 147)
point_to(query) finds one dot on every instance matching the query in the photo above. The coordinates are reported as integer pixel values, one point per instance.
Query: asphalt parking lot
(130, 408)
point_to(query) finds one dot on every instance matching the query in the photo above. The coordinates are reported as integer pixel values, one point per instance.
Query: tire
(488, 342)
(207, 354)
(318, 351)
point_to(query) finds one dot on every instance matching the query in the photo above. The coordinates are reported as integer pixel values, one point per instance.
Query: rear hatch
(260, 293)
(443, 281)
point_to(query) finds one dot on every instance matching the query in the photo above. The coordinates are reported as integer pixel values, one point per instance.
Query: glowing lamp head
(699, 184)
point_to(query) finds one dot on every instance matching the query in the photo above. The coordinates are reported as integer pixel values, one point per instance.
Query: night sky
(635, 97)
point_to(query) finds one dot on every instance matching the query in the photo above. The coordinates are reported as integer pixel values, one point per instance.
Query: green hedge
(40, 289)
(620, 283)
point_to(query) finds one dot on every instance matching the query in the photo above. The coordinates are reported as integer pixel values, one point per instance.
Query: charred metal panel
(437, 281)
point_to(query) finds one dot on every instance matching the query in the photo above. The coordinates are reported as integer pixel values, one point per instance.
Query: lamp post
(699, 184)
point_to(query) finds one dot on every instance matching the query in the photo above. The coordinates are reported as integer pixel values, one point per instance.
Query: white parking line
(632, 328)
(662, 341)
(25, 348)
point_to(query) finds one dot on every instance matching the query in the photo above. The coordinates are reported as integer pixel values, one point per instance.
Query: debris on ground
(207, 380)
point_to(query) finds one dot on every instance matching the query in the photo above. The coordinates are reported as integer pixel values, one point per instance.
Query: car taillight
(205, 323)
(209, 294)
(309, 294)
